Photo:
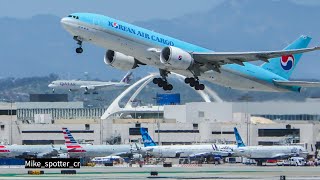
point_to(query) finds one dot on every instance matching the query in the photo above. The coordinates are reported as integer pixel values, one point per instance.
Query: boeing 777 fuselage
(130, 46)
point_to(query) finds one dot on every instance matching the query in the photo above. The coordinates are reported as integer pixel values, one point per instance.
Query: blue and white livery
(131, 46)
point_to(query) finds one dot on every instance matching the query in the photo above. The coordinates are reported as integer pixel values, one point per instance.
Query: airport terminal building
(265, 123)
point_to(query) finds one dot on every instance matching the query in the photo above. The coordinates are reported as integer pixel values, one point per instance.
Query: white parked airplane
(130, 46)
(263, 153)
(87, 86)
(78, 150)
(176, 151)
(39, 151)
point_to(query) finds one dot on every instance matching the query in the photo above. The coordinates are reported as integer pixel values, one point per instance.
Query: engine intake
(120, 61)
(176, 58)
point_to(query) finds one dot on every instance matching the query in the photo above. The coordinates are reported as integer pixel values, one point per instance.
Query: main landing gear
(79, 50)
(194, 82)
(162, 82)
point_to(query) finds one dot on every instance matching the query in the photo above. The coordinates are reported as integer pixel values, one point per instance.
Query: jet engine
(136, 156)
(176, 58)
(120, 61)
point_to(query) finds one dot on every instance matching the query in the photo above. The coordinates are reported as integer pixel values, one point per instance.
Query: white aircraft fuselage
(270, 152)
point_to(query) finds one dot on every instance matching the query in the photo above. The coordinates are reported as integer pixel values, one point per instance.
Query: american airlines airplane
(78, 150)
(130, 46)
(263, 153)
(176, 151)
(87, 86)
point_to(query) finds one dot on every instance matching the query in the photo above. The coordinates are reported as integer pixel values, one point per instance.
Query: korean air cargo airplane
(88, 86)
(172, 151)
(130, 46)
(263, 153)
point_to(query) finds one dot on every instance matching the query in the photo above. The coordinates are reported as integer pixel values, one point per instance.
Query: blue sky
(126, 10)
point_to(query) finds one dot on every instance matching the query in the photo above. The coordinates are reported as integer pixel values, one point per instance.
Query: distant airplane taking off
(87, 86)
(130, 46)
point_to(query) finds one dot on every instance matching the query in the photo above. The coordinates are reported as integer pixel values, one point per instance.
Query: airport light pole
(11, 122)
(158, 119)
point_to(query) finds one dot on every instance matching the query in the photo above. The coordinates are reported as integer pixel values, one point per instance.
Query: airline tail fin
(238, 138)
(285, 65)
(127, 78)
(70, 142)
(147, 140)
(4, 149)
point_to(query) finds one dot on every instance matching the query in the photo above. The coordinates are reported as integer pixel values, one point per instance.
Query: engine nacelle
(120, 61)
(137, 156)
(176, 58)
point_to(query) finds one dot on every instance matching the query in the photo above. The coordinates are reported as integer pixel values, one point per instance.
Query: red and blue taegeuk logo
(287, 62)
(115, 24)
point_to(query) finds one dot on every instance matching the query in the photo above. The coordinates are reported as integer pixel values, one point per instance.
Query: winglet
(238, 138)
(147, 140)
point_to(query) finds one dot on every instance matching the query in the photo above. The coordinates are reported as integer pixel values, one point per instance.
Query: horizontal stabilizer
(297, 83)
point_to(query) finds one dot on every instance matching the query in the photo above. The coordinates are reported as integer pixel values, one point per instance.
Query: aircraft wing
(122, 154)
(297, 83)
(281, 156)
(217, 153)
(94, 87)
(221, 58)
(200, 154)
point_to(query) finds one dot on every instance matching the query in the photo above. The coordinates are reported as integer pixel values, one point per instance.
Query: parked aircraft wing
(297, 83)
(240, 57)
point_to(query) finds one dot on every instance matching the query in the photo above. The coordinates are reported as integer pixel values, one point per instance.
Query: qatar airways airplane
(87, 86)
(130, 46)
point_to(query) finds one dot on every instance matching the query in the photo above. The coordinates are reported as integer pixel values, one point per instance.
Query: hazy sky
(127, 10)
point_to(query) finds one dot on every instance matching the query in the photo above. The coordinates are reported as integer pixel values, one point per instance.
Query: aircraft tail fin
(4, 149)
(71, 144)
(240, 143)
(127, 78)
(147, 140)
(285, 65)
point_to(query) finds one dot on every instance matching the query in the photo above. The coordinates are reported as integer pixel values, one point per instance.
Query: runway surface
(225, 172)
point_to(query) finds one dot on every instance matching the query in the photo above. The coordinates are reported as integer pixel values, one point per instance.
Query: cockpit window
(75, 17)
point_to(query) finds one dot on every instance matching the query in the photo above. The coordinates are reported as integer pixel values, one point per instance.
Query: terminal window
(201, 114)
(2, 127)
(278, 132)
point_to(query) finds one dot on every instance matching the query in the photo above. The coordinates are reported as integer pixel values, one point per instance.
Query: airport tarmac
(224, 172)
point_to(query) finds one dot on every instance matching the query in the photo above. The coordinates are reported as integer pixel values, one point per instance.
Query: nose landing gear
(79, 40)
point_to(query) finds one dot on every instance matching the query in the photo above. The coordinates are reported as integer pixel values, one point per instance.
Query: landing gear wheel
(170, 87)
(156, 80)
(187, 80)
(201, 86)
(79, 50)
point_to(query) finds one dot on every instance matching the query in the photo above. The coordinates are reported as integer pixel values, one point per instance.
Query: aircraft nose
(64, 21)
(50, 85)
